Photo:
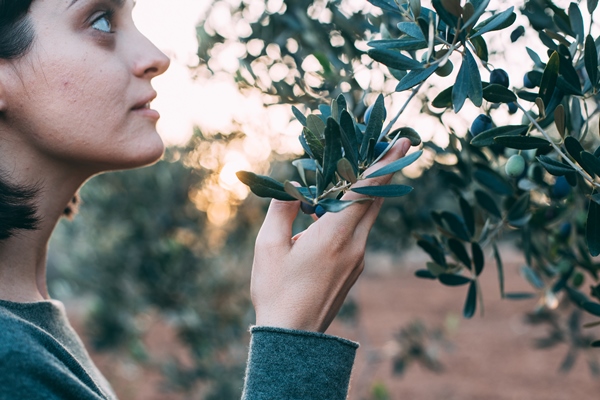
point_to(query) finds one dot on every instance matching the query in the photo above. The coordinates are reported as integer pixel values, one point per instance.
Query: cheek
(89, 97)
(79, 107)
(79, 110)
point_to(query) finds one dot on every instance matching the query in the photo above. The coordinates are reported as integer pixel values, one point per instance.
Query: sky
(170, 25)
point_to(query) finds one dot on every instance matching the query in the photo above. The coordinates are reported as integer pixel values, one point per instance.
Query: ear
(3, 77)
(2, 100)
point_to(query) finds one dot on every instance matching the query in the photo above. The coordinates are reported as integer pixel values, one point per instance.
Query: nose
(150, 61)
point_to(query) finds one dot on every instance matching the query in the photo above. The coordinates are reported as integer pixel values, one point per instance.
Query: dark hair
(17, 207)
(16, 32)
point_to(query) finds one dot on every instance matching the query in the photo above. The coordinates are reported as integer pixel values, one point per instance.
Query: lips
(142, 108)
(147, 105)
(144, 102)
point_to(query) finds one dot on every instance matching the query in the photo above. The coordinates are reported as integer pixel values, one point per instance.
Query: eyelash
(108, 16)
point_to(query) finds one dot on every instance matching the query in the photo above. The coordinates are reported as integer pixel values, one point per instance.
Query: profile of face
(80, 96)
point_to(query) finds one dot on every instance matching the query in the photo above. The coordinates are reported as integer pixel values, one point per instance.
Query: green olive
(446, 69)
(515, 166)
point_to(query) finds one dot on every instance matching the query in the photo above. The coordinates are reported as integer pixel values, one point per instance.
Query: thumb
(276, 230)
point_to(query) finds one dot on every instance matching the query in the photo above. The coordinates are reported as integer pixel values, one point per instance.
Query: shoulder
(25, 361)
(26, 346)
(34, 367)
(34, 374)
(19, 343)
(15, 334)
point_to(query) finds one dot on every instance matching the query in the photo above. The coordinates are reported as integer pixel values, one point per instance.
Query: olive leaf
(459, 251)
(486, 202)
(264, 186)
(346, 170)
(394, 59)
(333, 153)
(522, 142)
(478, 258)
(549, 78)
(453, 280)
(384, 190)
(374, 126)
(592, 229)
(406, 132)
(315, 125)
(471, 301)
(414, 77)
(500, 269)
(591, 60)
(486, 138)
(554, 167)
(433, 248)
(498, 94)
(396, 165)
(468, 83)
(294, 192)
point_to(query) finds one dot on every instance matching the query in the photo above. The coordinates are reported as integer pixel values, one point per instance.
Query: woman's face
(80, 95)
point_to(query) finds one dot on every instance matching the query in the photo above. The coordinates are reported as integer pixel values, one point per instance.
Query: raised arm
(298, 285)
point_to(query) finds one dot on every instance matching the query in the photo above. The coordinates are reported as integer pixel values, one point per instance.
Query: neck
(23, 256)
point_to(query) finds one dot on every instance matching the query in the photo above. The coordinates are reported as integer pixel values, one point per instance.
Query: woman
(75, 88)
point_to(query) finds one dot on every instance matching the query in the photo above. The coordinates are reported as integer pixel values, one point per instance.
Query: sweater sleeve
(298, 365)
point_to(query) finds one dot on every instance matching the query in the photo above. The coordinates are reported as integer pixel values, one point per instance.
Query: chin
(135, 155)
(148, 153)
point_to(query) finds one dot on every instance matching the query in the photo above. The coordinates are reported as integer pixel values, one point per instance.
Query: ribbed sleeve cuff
(299, 365)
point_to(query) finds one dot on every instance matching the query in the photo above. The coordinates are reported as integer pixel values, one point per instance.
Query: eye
(103, 23)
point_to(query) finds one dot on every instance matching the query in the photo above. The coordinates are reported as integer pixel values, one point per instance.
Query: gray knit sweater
(42, 358)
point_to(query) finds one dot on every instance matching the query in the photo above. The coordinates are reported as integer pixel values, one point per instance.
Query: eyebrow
(117, 3)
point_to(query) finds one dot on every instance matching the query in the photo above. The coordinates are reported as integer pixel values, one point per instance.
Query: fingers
(356, 213)
(366, 223)
(398, 151)
(343, 294)
(276, 230)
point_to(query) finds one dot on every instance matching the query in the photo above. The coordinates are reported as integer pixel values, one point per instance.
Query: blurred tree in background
(174, 239)
(140, 247)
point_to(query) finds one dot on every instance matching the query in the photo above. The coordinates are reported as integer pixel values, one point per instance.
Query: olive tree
(534, 181)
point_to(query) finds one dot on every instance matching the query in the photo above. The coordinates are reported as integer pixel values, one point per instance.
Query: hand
(301, 282)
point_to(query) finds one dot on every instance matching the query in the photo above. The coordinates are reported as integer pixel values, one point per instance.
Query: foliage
(285, 34)
(566, 332)
(419, 344)
(340, 152)
(551, 209)
(567, 78)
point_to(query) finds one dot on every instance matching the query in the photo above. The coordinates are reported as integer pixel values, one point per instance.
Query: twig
(563, 155)
(496, 230)
(335, 188)
(393, 121)
(587, 121)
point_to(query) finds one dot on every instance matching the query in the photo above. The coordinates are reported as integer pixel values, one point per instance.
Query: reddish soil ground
(491, 357)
